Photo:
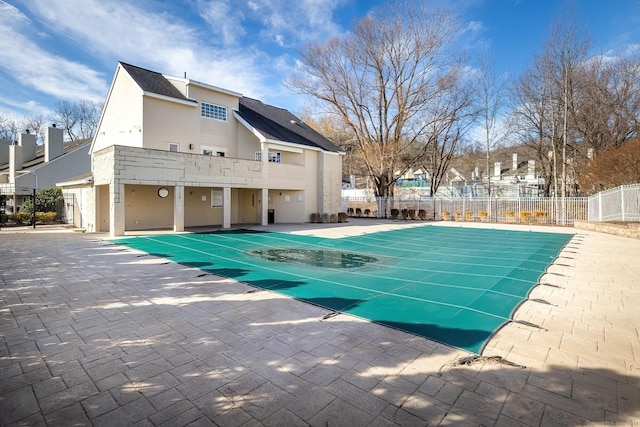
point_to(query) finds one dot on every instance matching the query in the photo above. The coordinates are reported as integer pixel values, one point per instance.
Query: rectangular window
(174, 147)
(212, 111)
(273, 157)
(216, 197)
(214, 151)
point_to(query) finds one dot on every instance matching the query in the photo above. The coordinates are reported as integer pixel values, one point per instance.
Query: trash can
(271, 213)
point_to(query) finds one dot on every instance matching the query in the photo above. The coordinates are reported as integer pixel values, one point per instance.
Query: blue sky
(53, 50)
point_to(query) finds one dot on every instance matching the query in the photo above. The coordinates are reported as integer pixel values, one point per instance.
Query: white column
(226, 207)
(178, 208)
(116, 209)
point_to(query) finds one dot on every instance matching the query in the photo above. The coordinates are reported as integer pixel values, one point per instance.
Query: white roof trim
(81, 181)
(282, 147)
(288, 146)
(248, 126)
(203, 85)
(190, 103)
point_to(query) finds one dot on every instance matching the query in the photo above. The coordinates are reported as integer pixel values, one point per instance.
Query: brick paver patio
(95, 334)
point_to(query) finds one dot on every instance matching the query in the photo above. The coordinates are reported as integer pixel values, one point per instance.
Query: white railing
(617, 204)
(539, 210)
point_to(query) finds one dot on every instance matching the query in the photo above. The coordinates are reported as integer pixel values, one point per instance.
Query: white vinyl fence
(617, 204)
(529, 210)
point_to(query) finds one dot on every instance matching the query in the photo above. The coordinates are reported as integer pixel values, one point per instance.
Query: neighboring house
(520, 180)
(171, 152)
(26, 166)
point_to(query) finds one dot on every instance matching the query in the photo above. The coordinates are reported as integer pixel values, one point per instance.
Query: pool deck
(92, 333)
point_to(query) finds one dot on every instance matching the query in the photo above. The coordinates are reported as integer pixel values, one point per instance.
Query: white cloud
(225, 20)
(36, 68)
(293, 23)
(16, 109)
(159, 41)
(240, 45)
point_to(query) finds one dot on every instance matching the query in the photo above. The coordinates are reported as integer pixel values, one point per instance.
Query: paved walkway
(92, 333)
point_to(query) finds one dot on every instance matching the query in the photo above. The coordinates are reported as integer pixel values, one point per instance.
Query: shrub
(46, 217)
(358, 211)
(456, 215)
(510, 215)
(405, 213)
(411, 214)
(342, 217)
(525, 216)
(422, 214)
(333, 218)
(483, 215)
(468, 216)
(46, 201)
(367, 212)
(446, 215)
(314, 218)
(540, 215)
(350, 211)
(325, 218)
(21, 218)
(395, 213)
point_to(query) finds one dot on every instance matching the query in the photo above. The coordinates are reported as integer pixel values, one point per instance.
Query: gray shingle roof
(151, 81)
(280, 125)
(272, 122)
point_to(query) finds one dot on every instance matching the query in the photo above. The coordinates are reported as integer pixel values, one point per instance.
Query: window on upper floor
(174, 147)
(273, 156)
(212, 111)
(213, 151)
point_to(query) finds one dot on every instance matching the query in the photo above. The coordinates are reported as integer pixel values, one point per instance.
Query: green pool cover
(453, 285)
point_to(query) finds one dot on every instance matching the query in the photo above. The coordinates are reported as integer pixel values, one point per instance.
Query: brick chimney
(15, 161)
(28, 143)
(497, 169)
(4, 151)
(531, 168)
(53, 143)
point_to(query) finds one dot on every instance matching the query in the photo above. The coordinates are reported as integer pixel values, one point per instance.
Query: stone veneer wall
(626, 229)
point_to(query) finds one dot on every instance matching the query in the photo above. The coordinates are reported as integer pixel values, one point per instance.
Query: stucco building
(171, 152)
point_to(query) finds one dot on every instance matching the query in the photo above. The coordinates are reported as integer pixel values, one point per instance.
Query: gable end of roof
(151, 81)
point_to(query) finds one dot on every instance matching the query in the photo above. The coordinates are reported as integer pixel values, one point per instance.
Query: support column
(226, 207)
(264, 207)
(178, 208)
(116, 209)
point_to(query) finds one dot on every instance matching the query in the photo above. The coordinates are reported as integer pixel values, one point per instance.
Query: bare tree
(11, 127)
(490, 95)
(382, 78)
(607, 110)
(534, 118)
(611, 168)
(79, 120)
(451, 118)
(546, 98)
(565, 52)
